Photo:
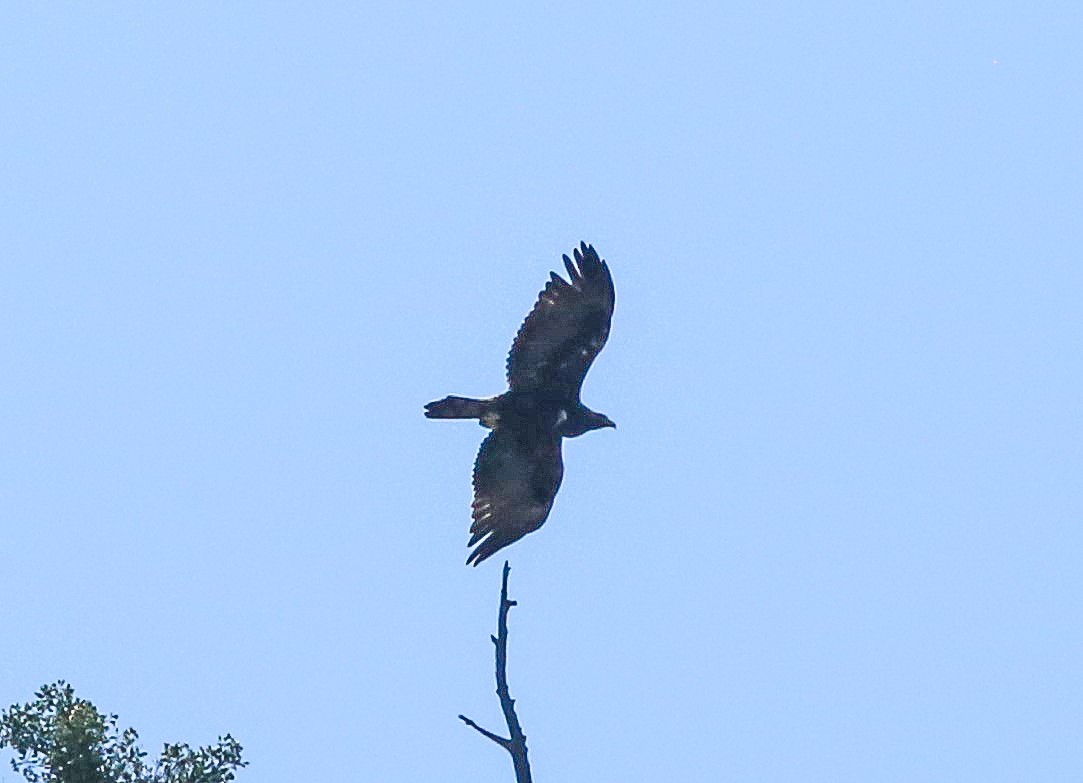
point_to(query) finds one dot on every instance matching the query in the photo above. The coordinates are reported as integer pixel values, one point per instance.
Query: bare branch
(516, 744)
(486, 733)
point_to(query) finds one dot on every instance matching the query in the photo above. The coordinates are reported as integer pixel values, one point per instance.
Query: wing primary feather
(572, 271)
(488, 547)
(589, 263)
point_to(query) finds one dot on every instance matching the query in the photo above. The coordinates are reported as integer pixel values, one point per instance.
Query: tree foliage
(60, 738)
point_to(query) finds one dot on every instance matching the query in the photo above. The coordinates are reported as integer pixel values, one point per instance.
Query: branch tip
(504, 743)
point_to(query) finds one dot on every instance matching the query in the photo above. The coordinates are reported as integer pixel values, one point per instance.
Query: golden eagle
(519, 467)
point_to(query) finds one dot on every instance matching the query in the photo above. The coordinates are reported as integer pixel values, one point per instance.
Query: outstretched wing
(516, 478)
(566, 329)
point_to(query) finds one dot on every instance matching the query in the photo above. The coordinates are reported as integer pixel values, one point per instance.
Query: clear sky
(836, 536)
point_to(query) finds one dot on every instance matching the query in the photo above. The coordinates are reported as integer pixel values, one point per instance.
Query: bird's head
(584, 420)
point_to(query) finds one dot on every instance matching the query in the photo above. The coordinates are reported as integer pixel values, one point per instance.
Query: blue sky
(836, 536)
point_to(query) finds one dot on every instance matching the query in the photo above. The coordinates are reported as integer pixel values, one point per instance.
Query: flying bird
(519, 466)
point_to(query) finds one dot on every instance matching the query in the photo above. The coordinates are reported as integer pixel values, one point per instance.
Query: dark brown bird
(519, 467)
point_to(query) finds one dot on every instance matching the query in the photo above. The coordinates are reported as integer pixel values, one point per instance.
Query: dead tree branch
(516, 743)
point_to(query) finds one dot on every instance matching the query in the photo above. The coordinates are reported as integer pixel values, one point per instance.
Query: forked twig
(516, 744)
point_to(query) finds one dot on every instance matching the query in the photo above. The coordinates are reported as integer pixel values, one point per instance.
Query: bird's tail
(455, 408)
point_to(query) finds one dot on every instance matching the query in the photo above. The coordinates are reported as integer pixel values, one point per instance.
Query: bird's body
(519, 467)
